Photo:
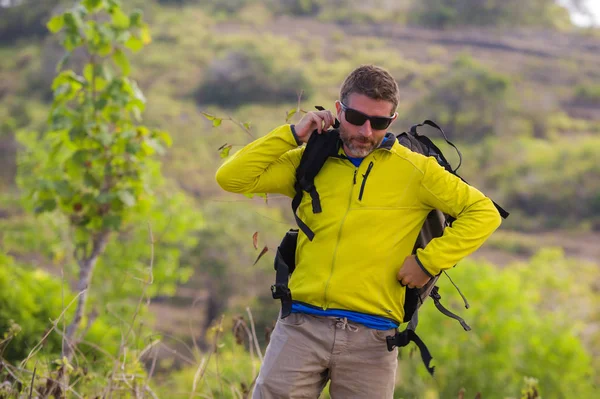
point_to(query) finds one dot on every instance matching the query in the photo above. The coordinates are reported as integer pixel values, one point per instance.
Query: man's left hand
(411, 274)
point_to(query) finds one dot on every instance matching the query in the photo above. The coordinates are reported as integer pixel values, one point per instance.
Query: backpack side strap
(401, 339)
(284, 266)
(436, 300)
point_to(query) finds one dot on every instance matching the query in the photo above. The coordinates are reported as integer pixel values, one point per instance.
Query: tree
(98, 169)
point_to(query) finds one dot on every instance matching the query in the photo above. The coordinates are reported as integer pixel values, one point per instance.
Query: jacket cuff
(295, 135)
(423, 267)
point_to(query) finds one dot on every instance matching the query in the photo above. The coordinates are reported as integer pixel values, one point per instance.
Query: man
(349, 283)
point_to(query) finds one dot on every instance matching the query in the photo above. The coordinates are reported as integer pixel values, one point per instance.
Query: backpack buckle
(280, 291)
(434, 294)
(391, 342)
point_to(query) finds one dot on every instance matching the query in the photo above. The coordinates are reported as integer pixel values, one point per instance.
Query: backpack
(318, 149)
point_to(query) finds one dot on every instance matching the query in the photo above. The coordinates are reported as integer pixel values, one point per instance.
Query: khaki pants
(306, 351)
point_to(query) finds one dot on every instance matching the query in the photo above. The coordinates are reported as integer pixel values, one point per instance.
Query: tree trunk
(86, 268)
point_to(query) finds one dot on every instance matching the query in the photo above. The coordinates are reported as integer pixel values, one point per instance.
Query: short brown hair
(373, 82)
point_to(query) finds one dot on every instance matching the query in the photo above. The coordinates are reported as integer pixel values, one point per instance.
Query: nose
(365, 130)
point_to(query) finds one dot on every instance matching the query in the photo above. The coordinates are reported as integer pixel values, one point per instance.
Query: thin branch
(240, 124)
(197, 375)
(254, 338)
(299, 100)
(217, 354)
(196, 349)
(32, 381)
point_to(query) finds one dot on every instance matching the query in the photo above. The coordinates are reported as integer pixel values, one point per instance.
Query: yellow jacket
(370, 220)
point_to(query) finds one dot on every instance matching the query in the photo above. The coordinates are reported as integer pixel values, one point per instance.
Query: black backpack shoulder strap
(318, 149)
(435, 152)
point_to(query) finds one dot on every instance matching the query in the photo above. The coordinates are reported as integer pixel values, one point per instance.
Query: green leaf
(97, 71)
(122, 36)
(72, 22)
(290, 113)
(61, 63)
(112, 222)
(105, 49)
(92, 5)
(67, 77)
(90, 181)
(88, 72)
(126, 197)
(77, 133)
(56, 23)
(132, 148)
(165, 137)
(145, 35)
(122, 62)
(105, 198)
(105, 138)
(208, 116)
(134, 44)
(63, 188)
(135, 19)
(46, 206)
(101, 103)
(150, 146)
(119, 18)
(79, 157)
(225, 151)
(136, 103)
(217, 122)
(247, 125)
(82, 221)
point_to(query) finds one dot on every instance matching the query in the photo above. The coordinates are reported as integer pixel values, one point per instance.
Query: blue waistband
(370, 321)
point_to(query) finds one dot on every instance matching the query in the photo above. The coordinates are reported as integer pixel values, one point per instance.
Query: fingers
(321, 120)
(311, 121)
(406, 281)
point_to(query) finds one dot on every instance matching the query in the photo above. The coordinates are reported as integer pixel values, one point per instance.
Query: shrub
(527, 321)
(588, 94)
(470, 102)
(245, 76)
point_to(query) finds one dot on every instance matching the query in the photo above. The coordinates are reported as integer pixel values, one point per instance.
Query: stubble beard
(357, 151)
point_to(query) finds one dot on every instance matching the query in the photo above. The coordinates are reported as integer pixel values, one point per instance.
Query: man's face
(359, 141)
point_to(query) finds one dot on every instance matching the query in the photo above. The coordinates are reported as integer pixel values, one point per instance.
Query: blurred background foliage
(513, 83)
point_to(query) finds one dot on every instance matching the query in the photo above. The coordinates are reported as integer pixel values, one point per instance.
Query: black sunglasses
(358, 118)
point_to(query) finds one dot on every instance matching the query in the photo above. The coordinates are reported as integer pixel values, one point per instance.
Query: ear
(395, 116)
(338, 108)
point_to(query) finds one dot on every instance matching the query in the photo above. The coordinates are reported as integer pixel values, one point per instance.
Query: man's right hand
(311, 121)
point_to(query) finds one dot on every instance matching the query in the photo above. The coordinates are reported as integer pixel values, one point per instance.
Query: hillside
(548, 63)
(522, 104)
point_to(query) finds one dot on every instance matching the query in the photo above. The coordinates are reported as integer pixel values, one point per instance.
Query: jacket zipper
(365, 176)
(338, 240)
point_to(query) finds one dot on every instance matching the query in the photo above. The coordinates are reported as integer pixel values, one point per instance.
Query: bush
(450, 13)
(30, 299)
(588, 94)
(23, 20)
(556, 180)
(528, 321)
(470, 103)
(245, 76)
